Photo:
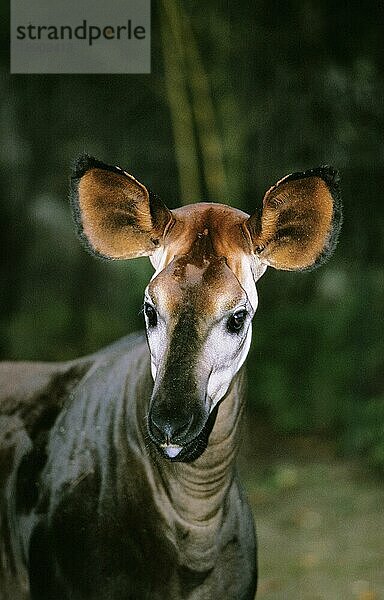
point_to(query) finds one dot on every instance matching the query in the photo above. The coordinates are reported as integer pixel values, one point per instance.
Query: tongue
(172, 451)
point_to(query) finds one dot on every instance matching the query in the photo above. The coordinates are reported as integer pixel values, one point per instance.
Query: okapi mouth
(194, 448)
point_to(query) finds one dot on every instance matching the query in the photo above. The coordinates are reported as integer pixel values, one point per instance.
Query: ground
(319, 518)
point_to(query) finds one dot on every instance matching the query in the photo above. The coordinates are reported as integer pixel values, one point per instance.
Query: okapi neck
(194, 497)
(195, 492)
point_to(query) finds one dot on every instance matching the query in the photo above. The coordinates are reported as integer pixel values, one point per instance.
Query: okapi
(117, 470)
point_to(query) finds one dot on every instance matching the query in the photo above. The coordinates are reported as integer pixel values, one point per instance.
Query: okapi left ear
(116, 216)
(300, 220)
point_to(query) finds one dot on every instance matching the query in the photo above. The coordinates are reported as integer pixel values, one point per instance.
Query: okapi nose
(174, 429)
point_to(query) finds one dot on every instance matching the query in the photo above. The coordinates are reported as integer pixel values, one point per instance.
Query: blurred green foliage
(240, 94)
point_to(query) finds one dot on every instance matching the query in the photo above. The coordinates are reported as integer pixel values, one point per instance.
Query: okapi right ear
(117, 217)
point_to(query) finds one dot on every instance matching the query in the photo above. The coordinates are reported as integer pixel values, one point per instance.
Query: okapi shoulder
(32, 391)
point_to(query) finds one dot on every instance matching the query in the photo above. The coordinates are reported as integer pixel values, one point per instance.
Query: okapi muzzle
(178, 409)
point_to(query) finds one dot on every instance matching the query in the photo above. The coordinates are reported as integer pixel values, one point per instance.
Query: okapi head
(207, 257)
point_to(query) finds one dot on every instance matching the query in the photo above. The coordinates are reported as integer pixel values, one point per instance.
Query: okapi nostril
(181, 430)
(169, 430)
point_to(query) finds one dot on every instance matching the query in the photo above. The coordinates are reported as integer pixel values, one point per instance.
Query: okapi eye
(236, 322)
(151, 315)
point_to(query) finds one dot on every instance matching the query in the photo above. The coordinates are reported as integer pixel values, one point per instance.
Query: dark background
(241, 93)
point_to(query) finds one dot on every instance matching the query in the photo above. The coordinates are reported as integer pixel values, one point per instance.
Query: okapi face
(198, 308)
(200, 302)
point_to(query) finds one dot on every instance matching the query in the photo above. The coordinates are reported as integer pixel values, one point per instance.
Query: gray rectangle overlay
(80, 36)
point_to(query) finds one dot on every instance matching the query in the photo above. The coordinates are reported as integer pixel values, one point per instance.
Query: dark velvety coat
(88, 511)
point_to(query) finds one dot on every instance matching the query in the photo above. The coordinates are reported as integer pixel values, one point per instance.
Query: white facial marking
(251, 271)
(159, 260)
(231, 350)
(157, 338)
(225, 352)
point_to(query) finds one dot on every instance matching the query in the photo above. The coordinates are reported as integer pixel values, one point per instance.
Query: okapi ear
(116, 216)
(300, 220)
